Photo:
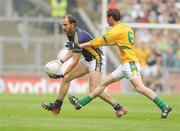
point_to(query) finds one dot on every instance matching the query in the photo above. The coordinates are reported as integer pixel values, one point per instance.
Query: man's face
(66, 26)
(109, 20)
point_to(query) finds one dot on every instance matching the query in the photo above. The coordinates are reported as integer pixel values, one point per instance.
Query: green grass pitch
(24, 113)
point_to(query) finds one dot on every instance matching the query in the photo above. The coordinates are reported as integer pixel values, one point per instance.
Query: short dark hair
(71, 19)
(115, 13)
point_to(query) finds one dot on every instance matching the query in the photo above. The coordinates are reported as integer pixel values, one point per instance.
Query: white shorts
(129, 70)
(95, 65)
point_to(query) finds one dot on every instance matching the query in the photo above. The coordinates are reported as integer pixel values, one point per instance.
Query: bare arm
(87, 44)
(76, 57)
(105, 40)
(67, 56)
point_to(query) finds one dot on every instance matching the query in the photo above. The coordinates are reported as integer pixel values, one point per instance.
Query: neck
(74, 29)
(72, 32)
(115, 23)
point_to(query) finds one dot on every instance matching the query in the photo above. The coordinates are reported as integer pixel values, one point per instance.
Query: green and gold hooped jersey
(122, 36)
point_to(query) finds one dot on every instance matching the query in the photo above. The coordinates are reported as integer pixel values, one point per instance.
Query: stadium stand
(32, 24)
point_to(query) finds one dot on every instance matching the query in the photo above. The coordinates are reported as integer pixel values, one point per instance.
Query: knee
(91, 88)
(66, 78)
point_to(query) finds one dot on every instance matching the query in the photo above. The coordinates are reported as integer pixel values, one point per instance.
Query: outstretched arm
(87, 44)
(105, 40)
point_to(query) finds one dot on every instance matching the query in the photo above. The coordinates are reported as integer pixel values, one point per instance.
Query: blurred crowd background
(30, 35)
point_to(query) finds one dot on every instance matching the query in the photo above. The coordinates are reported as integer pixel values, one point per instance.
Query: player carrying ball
(93, 64)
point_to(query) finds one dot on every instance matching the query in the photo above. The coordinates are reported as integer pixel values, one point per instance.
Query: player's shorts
(129, 70)
(95, 65)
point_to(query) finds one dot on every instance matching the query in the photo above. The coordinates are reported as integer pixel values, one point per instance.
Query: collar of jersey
(71, 34)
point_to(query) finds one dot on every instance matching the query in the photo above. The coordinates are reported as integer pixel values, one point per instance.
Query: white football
(53, 68)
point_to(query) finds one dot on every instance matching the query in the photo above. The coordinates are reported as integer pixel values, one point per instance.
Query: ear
(73, 24)
(111, 18)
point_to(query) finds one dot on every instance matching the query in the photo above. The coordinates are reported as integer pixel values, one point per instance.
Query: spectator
(58, 8)
(112, 4)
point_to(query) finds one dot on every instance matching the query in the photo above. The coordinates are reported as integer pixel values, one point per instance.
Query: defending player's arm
(105, 40)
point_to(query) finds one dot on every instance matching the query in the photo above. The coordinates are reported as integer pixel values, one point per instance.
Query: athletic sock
(58, 103)
(117, 106)
(160, 103)
(85, 100)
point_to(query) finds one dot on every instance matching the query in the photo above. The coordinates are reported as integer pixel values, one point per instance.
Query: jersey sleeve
(75, 44)
(76, 48)
(105, 40)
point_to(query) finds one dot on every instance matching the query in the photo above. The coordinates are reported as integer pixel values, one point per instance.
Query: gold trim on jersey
(94, 53)
(98, 65)
(76, 38)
